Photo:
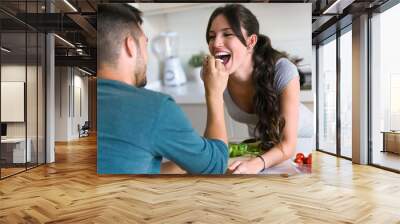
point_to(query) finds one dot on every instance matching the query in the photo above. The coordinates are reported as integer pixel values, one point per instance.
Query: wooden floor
(5, 172)
(70, 191)
(10, 171)
(387, 159)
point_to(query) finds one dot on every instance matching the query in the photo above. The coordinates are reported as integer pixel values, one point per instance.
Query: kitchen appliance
(165, 47)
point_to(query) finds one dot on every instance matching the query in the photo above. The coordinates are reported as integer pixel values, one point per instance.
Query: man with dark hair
(138, 127)
(115, 22)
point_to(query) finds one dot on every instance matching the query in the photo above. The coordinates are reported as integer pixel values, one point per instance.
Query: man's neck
(105, 72)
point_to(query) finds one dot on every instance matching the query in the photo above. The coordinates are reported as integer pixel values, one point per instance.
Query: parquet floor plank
(70, 191)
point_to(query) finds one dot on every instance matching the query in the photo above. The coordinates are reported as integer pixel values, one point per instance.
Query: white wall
(61, 103)
(70, 84)
(12, 101)
(17, 73)
(79, 117)
(288, 26)
(33, 127)
(14, 73)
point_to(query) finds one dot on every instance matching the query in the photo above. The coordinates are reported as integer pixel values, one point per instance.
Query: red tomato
(300, 155)
(309, 159)
(298, 161)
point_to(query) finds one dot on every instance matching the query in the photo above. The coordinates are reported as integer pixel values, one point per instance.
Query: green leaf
(197, 60)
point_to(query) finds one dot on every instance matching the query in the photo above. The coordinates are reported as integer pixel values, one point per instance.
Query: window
(346, 75)
(385, 89)
(327, 96)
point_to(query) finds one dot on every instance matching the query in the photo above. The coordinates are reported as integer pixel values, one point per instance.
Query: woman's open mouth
(223, 56)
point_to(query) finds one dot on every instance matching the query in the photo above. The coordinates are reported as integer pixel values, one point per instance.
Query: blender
(165, 47)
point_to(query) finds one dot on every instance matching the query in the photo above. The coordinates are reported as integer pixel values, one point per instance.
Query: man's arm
(215, 128)
(175, 139)
(215, 82)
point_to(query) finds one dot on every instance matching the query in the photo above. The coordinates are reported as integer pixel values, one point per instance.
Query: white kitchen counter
(193, 92)
(188, 93)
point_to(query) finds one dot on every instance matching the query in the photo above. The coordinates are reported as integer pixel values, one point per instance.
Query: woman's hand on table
(251, 166)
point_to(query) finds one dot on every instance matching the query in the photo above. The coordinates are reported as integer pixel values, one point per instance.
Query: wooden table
(391, 141)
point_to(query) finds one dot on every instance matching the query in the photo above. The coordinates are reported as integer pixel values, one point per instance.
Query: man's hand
(215, 76)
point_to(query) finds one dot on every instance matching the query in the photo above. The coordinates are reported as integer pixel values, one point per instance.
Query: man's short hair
(114, 23)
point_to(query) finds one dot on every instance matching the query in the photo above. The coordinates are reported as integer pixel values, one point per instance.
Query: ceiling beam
(84, 24)
(84, 61)
(337, 7)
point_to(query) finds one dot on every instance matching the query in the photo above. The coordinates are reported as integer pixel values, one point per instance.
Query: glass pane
(13, 87)
(327, 97)
(23, 89)
(41, 98)
(386, 89)
(346, 94)
(31, 98)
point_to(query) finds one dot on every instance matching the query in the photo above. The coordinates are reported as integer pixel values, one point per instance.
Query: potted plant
(196, 63)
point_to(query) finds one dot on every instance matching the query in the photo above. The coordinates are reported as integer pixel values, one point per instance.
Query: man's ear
(130, 46)
(251, 41)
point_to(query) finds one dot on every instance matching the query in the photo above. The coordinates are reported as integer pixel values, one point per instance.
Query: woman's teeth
(223, 57)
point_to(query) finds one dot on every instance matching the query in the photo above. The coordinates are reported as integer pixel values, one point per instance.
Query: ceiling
(75, 21)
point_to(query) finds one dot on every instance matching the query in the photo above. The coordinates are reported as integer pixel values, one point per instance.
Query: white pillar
(50, 91)
(360, 90)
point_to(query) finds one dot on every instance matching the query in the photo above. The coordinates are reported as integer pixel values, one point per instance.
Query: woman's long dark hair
(266, 99)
